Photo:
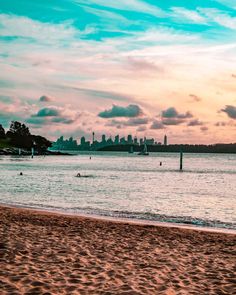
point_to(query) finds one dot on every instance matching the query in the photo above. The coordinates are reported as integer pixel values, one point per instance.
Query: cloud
(141, 128)
(171, 116)
(48, 112)
(36, 121)
(195, 97)
(25, 27)
(157, 125)
(54, 114)
(220, 124)
(204, 128)
(62, 120)
(230, 111)
(131, 5)
(6, 99)
(45, 98)
(101, 94)
(143, 65)
(118, 111)
(172, 121)
(173, 113)
(219, 16)
(131, 122)
(182, 14)
(137, 121)
(195, 122)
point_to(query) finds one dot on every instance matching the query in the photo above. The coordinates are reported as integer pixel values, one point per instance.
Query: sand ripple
(42, 253)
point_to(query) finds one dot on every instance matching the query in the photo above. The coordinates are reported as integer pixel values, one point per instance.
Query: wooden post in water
(181, 161)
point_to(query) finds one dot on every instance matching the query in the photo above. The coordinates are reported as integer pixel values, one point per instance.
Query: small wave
(141, 216)
(85, 176)
(188, 220)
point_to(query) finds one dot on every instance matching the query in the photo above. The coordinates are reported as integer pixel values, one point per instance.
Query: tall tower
(93, 136)
(165, 140)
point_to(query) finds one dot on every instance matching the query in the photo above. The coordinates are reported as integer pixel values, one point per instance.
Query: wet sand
(47, 253)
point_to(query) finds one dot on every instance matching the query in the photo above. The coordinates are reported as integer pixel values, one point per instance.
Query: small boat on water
(144, 152)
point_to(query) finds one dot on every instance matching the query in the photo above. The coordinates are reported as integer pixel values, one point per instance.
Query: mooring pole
(181, 161)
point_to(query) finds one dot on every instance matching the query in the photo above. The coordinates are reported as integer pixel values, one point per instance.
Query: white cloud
(228, 3)
(182, 14)
(130, 5)
(24, 27)
(220, 17)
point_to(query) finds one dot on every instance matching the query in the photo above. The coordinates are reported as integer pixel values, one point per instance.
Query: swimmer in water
(78, 175)
(21, 173)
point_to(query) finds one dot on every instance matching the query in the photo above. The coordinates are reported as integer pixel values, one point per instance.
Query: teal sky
(87, 57)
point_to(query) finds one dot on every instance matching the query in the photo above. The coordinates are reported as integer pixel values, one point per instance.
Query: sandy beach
(47, 253)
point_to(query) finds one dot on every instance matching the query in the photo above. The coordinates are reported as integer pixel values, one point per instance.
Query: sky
(140, 67)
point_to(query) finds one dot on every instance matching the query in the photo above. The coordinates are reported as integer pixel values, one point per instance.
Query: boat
(144, 152)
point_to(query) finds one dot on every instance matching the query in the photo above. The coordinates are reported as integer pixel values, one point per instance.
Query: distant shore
(15, 152)
(50, 253)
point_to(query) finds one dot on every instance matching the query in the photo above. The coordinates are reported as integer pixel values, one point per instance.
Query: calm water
(124, 185)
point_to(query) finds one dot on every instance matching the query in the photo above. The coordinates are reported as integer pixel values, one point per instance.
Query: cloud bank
(118, 111)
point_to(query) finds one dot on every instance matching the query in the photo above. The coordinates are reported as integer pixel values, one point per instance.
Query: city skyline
(137, 67)
(95, 143)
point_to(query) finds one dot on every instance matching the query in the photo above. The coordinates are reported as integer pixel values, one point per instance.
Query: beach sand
(47, 253)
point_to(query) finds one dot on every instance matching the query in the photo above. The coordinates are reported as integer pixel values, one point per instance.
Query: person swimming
(78, 175)
(21, 173)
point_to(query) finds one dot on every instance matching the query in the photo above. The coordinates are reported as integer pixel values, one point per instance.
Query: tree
(2, 132)
(19, 129)
(19, 135)
(41, 143)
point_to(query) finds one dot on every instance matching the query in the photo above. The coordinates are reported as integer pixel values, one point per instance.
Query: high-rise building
(103, 138)
(93, 136)
(82, 140)
(165, 140)
(117, 139)
(129, 139)
(123, 141)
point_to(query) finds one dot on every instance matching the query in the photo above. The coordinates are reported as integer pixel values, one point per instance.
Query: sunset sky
(149, 68)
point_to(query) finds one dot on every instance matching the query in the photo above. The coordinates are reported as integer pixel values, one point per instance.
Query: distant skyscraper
(103, 138)
(117, 139)
(165, 140)
(129, 139)
(82, 140)
(93, 137)
(123, 141)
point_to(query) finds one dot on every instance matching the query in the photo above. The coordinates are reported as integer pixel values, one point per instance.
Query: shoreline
(50, 253)
(127, 220)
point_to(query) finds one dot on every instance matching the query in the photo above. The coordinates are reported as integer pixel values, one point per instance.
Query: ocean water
(126, 186)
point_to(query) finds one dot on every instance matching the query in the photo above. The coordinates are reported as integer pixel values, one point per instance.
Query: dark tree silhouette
(18, 129)
(41, 143)
(21, 137)
(2, 132)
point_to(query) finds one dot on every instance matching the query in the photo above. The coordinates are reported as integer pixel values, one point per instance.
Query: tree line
(19, 136)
